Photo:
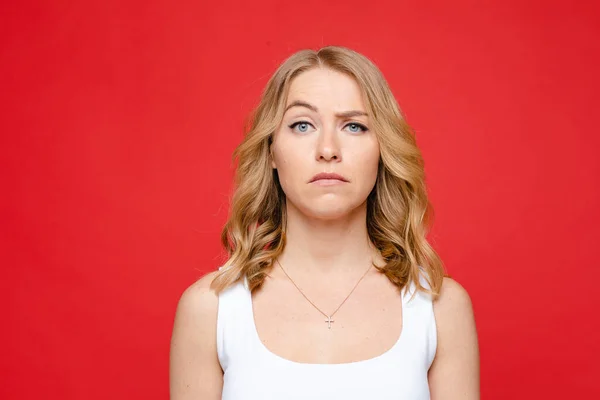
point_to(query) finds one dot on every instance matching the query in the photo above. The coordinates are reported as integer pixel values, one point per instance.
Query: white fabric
(253, 372)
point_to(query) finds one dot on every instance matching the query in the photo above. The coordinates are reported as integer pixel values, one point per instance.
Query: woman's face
(325, 130)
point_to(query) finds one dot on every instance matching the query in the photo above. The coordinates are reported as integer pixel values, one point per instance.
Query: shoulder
(199, 301)
(195, 325)
(453, 308)
(455, 321)
(453, 297)
(196, 313)
(455, 369)
(195, 371)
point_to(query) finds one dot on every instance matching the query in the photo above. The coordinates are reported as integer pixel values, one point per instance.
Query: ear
(273, 165)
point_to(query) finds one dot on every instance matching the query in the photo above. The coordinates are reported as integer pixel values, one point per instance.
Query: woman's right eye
(301, 126)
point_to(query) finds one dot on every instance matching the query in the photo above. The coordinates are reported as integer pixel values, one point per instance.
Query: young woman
(331, 290)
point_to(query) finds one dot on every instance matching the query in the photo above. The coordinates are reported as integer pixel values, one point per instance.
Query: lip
(328, 176)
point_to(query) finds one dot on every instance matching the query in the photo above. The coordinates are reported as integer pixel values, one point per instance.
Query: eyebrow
(344, 114)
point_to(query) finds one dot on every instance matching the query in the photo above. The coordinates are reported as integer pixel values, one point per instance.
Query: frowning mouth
(326, 176)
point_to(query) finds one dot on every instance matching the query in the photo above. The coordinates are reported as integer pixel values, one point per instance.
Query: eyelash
(361, 126)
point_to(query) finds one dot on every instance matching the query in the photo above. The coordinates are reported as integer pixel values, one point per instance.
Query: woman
(331, 290)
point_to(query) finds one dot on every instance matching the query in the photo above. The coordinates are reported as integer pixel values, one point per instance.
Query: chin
(329, 212)
(327, 215)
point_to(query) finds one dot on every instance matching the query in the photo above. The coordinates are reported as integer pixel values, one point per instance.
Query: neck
(327, 246)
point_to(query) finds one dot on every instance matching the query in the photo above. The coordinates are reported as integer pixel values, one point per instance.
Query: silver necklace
(329, 321)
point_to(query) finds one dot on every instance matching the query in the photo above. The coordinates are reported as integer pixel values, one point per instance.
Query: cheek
(290, 165)
(366, 162)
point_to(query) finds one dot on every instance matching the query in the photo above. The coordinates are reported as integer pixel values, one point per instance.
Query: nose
(328, 146)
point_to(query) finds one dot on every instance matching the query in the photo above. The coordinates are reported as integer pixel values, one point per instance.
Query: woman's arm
(454, 373)
(195, 372)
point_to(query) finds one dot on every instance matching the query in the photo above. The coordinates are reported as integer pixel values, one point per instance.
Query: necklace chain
(328, 320)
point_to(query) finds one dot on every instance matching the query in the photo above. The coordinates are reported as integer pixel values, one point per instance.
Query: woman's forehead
(326, 88)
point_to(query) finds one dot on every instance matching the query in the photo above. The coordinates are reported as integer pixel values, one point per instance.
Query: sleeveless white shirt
(253, 372)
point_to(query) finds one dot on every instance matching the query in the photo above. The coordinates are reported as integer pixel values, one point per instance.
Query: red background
(119, 119)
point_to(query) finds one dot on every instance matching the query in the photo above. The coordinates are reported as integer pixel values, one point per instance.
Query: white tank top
(253, 372)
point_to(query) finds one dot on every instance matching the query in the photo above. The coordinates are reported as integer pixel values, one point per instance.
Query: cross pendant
(329, 321)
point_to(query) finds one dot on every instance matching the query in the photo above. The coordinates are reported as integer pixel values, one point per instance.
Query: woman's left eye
(356, 128)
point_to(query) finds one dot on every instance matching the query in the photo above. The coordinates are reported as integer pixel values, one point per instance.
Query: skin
(327, 252)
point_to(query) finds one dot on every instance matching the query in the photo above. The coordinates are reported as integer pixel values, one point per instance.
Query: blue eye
(302, 126)
(356, 128)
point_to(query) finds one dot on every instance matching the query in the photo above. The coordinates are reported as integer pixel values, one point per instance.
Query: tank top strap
(419, 319)
(234, 323)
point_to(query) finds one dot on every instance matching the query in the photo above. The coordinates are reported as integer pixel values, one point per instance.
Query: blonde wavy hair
(398, 210)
